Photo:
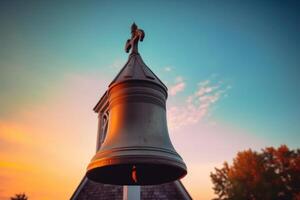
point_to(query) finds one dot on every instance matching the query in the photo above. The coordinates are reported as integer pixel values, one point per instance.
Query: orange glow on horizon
(30, 164)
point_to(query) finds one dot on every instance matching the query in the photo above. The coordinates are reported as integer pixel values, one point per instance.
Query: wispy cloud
(168, 69)
(197, 105)
(10, 134)
(117, 64)
(178, 87)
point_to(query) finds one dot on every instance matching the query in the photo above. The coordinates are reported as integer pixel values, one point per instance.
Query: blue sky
(254, 45)
(248, 50)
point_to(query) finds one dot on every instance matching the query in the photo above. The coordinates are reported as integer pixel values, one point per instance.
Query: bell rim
(149, 161)
(133, 159)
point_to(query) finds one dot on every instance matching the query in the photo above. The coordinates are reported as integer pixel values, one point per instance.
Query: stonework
(97, 191)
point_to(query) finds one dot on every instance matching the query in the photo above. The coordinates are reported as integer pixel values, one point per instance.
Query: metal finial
(136, 36)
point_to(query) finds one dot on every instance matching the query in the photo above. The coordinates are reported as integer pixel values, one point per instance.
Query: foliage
(19, 197)
(273, 174)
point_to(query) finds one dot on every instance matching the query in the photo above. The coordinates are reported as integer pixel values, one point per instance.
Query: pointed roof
(89, 190)
(135, 69)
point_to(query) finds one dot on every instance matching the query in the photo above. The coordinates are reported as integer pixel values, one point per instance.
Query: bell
(137, 149)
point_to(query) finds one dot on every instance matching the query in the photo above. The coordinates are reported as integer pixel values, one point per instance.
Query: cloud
(178, 87)
(197, 105)
(117, 64)
(168, 69)
(204, 83)
(12, 134)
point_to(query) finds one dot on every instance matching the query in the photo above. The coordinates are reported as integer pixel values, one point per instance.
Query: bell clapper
(133, 174)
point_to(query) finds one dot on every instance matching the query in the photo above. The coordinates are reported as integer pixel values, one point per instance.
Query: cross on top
(136, 36)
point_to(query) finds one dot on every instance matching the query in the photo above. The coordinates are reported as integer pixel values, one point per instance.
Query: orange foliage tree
(273, 174)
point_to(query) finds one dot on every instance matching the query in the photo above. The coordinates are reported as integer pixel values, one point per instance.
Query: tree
(273, 174)
(19, 197)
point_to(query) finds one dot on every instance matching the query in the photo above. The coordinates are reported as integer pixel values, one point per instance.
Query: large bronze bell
(137, 149)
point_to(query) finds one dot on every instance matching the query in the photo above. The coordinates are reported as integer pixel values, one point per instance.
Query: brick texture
(165, 191)
(98, 191)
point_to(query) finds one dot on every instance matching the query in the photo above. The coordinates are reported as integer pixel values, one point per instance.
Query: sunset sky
(232, 69)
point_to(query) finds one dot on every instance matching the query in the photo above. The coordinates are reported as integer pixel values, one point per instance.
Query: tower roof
(89, 190)
(136, 70)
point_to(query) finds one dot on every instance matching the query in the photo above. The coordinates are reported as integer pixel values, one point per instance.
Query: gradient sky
(232, 69)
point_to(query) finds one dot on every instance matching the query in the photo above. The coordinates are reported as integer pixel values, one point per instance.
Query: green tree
(273, 174)
(19, 197)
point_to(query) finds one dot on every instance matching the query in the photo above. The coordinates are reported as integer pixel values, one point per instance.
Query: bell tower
(133, 146)
(136, 148)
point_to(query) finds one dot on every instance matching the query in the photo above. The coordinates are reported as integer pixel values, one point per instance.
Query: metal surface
(136, 36)
(137, 149)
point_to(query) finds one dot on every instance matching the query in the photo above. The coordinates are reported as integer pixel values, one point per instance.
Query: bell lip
(152, 159)
(169, 166)
(118, 160)
(172, 170)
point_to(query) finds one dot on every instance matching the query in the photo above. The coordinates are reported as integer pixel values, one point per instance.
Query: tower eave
(102, 103)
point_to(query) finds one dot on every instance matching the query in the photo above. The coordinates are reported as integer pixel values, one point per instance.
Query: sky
(231, 67)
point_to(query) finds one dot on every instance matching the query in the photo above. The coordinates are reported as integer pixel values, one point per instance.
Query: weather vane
(136, 36)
